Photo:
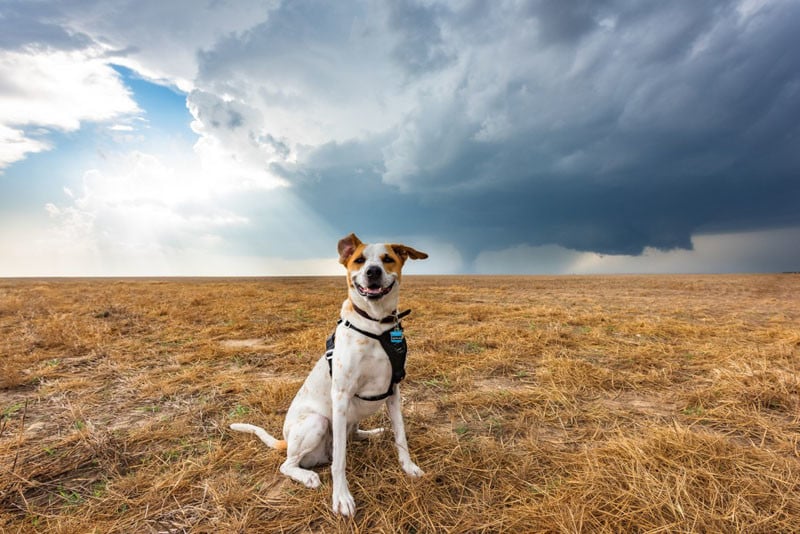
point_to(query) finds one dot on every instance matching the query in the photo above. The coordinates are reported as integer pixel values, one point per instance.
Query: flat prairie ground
(534, 404)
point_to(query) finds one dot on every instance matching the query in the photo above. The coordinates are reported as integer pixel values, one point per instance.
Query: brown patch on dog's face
(354, 262)
(347, 247)
(392, 261)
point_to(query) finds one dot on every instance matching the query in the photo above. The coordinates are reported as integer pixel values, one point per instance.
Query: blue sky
(542, 136)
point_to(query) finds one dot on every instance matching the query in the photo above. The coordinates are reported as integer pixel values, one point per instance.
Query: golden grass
(542, 404)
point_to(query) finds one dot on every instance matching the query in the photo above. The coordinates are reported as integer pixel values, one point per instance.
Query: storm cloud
(597, 126)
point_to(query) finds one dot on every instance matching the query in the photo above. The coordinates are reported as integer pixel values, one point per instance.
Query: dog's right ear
(347, 245)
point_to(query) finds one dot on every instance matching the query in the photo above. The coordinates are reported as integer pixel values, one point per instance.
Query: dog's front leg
(393, 406)
(343, 502)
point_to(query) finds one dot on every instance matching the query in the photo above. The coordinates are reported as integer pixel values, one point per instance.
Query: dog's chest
(362, 354)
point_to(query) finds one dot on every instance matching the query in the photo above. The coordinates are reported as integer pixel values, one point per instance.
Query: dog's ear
(407, 252)
(347, 245)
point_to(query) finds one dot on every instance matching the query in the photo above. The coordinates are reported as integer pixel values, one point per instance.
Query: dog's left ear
(407, 252)
(347, 245)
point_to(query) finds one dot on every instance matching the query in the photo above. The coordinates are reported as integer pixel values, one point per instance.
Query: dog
(358, 374)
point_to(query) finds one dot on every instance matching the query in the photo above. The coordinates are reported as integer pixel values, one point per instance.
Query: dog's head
(374, 271)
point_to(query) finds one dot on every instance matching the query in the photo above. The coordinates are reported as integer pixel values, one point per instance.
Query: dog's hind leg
(307, 446)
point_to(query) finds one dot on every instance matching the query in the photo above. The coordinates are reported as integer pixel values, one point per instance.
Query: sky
(245, 138)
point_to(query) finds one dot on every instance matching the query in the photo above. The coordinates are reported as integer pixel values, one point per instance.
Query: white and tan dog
(358, 379)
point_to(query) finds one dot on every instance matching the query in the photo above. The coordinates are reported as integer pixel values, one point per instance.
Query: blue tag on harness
(396, 336)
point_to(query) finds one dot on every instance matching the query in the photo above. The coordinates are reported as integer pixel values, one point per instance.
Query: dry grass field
(552, 404)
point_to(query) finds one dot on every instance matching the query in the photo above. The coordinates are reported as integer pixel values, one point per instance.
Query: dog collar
(393, 318)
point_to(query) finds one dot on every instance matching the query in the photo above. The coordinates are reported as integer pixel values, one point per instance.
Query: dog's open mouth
(373, 291)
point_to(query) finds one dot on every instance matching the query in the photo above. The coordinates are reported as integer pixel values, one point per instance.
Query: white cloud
(15, 145)
(139, 204)
(231, 143)
(32, 250)
(161, 40)
(55, 90)
(60, 89)
(146, 215)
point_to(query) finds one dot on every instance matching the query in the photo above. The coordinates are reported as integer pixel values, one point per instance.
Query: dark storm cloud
(562, 21)
(599, 126)
(421, 47)
(621, 218)
(700, 135)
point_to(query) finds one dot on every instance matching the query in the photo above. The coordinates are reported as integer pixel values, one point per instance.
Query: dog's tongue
(374, 290)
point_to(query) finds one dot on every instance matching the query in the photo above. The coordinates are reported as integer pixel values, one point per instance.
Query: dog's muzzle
(374, 290)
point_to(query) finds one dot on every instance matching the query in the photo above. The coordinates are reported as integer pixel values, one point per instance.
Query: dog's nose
(373, 273)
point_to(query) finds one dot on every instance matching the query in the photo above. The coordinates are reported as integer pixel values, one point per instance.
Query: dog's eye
(388, 259)
(360, 259)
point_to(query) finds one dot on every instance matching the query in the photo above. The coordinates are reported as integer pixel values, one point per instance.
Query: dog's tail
(279, 444)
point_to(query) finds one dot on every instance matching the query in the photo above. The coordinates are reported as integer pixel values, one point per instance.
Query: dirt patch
(238, 344)
(637, 405)
(503, 384)
(425, 409)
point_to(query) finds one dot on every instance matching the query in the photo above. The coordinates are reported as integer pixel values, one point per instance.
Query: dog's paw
(413, 470)
(311, 480)
(343, 503)
(304, 476)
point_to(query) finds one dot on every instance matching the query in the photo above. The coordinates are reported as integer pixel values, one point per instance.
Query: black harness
(394, 345)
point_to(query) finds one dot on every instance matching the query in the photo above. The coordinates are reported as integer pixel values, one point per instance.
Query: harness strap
(394, 345)
(386, 395)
